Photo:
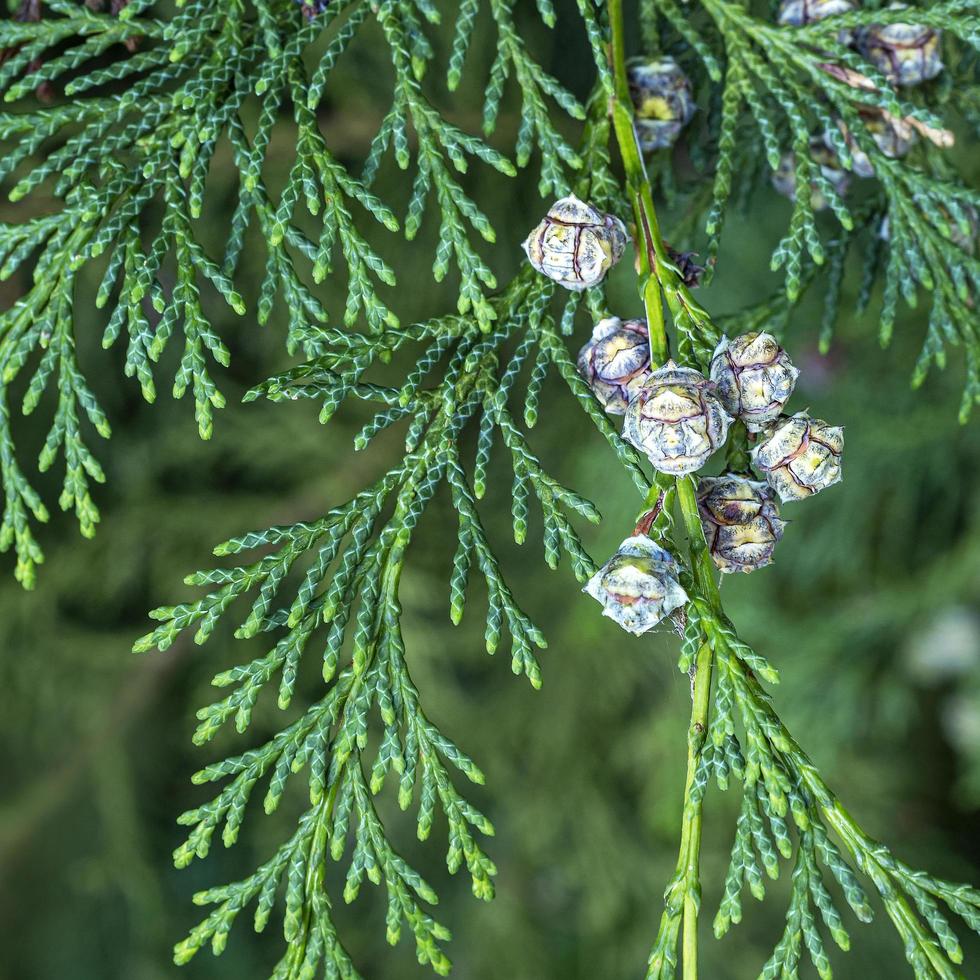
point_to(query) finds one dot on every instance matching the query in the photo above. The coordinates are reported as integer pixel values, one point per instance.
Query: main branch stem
(691, 854)
(690, 860)
(649, 246)
(657, 273)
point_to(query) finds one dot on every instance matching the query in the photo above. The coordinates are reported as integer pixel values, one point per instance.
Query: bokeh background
(870, 613)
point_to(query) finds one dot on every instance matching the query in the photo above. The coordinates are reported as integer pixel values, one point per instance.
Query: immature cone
(575, 244)
(893, 138)
(616, 361)
(755, 378)
(799, 13)
(663, 100)
(906, 54)
(676, 419)
(638, 587)
(800, 457)
(740, 520)
(784, 177)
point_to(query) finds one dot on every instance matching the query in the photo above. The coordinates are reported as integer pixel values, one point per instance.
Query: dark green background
(869, 613)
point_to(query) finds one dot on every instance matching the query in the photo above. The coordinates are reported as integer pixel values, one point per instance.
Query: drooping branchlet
(961, 231)
(639, 586)
(29, 12)
(784, 177)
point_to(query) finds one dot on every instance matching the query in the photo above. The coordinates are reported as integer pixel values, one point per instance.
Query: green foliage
(780, 787)
(127, 159)
(129, 167)
(351, 562)
(915, 228)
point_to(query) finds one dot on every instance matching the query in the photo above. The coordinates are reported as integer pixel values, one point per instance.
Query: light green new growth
(123, 162)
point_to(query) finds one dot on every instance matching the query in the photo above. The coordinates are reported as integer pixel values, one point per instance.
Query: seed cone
(575, 244)
(616, 361)
(676, 419)
(638, 587)
(800, 457)
(755, 378)
(906, 54)
(893, 137)
(740, 520)
(799, 13)
(663, 101)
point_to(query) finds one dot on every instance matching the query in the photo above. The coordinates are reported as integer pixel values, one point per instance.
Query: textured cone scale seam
(575, 244)
(800, 456)
(639, 586)
(754, 376)
(740, 520)
(905, 53)
(799, 13)
(676, 419)
(615, 361)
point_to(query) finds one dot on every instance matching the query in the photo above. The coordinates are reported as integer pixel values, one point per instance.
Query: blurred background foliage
(870, 612)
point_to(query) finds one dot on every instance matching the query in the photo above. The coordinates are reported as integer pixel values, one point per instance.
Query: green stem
(701, 563)
(649, 246)
(704, 577)
(315, 872)
(693, 811)
(660, 282)
(684, 894)
(659, 278)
